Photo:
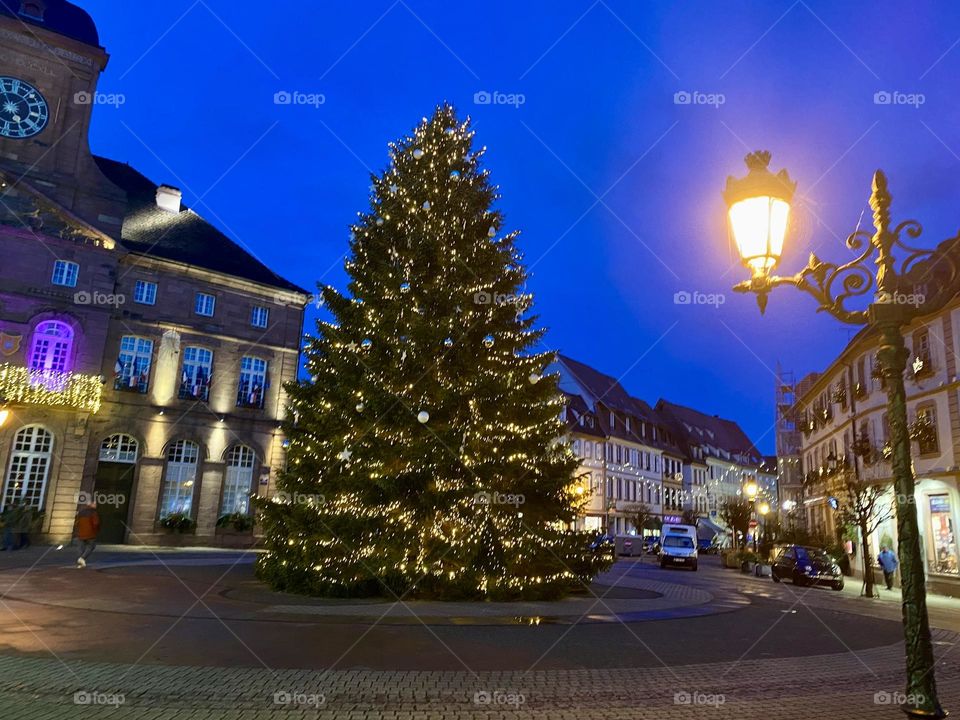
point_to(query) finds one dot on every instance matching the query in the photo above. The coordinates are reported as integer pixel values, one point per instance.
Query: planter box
(730, 561)
(231, 538)
(761, 570)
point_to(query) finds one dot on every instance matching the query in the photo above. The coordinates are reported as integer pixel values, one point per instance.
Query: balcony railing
(195, 391)
(46, 387)
(134, 383)
(248, 397)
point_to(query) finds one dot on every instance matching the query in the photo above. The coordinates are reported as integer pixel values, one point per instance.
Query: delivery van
(678, 546)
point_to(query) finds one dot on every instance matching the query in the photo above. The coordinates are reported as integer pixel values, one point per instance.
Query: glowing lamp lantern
(4, 415)
(759, 211)
(764, 508)
(751, 490)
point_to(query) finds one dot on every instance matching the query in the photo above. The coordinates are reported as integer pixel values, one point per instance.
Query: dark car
(804, 565)
(651, 545)
(602, 542)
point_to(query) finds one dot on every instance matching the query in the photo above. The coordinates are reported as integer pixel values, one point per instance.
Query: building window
(253, 382)
(145, 292)
(928, 441)
(239, 481)
(50, 350)
(943, 535)
(29, 470)
(259, 317)
(119, 448)
(180, 478)
(205, 304)
(65, 273)
(196, 375)
(132, 371)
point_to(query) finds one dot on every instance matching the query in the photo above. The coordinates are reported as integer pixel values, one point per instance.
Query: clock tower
(50, 62)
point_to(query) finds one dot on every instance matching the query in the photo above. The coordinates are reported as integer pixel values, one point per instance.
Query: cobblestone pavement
(837, 685)
(128, 641)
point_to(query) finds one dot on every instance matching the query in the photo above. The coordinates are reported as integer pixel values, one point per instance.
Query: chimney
(168, 198)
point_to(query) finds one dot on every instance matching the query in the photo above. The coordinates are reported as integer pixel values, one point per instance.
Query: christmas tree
(425, 453)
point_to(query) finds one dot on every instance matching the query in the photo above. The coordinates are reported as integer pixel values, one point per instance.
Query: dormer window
(33, 9)
(613, 420)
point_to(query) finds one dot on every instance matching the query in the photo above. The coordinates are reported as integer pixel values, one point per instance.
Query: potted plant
(747, 561)
(239, 523)
(177, 522)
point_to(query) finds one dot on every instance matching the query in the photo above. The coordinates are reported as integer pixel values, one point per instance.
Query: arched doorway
(114, 485)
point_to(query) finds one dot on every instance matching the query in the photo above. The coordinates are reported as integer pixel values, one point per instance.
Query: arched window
(119, 448)
(179, 478)
(239, 481)
(29, 470)
(51, 346)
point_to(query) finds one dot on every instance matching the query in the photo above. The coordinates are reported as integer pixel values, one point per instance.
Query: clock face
(23, 111)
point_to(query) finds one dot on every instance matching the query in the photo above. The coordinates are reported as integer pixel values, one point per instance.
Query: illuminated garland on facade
(19, 384)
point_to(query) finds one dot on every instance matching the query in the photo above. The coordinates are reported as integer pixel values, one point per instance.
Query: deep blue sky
(599, 80)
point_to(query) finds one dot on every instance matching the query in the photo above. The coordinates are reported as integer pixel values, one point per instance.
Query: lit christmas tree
(424, 454)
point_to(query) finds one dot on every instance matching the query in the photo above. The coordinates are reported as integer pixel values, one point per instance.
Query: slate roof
(60, 17)
(600, 387)
(184, 237)
(591, 388)
(716, 431)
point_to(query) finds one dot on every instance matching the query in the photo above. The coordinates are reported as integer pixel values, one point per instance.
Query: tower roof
(58, 16)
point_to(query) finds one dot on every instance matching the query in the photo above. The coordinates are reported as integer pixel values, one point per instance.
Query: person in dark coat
(10, 520)
(24, 525)
(86, 528)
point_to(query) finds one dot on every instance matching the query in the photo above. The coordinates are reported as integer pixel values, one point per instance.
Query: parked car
(707, 546)
(805, 565)
(602, 541)
(651, 545)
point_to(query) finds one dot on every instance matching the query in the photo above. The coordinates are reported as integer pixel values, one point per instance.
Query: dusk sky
(615, 185)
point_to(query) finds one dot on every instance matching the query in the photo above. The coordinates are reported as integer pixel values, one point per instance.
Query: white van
(678, 546)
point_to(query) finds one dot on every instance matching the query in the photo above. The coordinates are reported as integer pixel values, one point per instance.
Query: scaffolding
(789, 464)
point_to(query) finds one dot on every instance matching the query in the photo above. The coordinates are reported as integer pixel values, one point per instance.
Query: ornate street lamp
(759, 211)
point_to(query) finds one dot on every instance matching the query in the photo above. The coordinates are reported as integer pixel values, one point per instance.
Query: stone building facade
(845, 429)
(670, 458)
(142, 352)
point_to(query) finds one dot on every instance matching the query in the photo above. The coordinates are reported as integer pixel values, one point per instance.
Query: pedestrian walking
(86, 527)
(888, 563)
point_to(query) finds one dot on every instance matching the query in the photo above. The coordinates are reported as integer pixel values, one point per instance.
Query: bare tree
(736, 513)
(864, 504)
(690, 517)
(641, 516)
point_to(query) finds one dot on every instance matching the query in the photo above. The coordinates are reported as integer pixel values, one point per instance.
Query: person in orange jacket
(85, 528)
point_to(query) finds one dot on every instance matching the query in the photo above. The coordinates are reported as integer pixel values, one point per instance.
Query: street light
(751, 490)
(759, 228)
(4, 415)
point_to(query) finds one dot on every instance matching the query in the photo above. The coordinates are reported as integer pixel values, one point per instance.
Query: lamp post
(759, 206)
(751, 489)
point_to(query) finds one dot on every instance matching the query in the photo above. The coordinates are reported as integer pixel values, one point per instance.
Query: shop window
(943, 535)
